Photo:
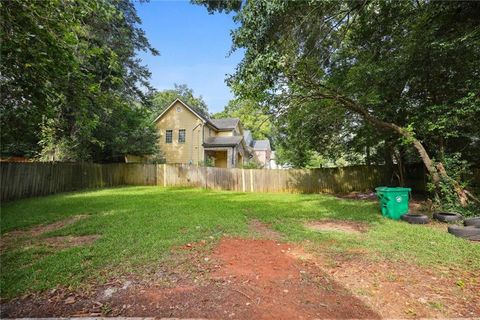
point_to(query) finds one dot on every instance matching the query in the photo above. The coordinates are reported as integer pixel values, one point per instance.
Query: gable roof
(202, 117)
(226, 123)
(230, 141)
(218, 124)
(261, 145)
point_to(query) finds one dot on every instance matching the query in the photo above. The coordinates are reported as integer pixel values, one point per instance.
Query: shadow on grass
(140, 225)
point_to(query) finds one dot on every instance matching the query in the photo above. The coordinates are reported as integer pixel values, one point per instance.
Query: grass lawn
(140, 225)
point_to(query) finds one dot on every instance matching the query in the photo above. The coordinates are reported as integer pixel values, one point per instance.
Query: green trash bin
(393, 201)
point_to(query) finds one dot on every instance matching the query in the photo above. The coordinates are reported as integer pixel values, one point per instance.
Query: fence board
(19, 180)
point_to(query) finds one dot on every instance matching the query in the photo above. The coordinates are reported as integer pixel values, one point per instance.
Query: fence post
(164, 174)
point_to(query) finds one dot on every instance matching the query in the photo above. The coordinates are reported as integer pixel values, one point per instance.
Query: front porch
(224, 157)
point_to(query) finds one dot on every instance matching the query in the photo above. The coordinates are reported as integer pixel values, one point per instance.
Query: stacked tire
(470, 229)
(447, 216)
(475, 221)
(465, 232)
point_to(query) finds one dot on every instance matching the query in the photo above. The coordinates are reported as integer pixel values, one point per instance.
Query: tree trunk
(389, 166)
(436, 172)
(367, 155)
(401, 169)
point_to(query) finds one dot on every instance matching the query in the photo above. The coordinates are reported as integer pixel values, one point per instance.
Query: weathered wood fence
(331, 180)
(20, 180)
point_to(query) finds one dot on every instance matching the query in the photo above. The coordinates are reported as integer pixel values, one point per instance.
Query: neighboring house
(262, 151)
(187, 136)
(260, 148)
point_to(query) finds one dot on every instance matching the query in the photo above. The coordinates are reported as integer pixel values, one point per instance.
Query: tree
(67, 68)
(251, 116)
(405, 68)
(162, 99)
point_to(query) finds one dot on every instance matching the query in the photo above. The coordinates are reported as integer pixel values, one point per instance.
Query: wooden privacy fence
(29, 179)
(20, 180)
(329, 180)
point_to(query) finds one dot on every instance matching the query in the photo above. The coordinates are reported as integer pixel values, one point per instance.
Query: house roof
(195, 112)
(218, 124)
(225, 123)
(261, 145)
(222, 141)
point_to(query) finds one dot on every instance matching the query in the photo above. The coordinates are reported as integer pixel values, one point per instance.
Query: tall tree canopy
(162, 99)
(406, 69)
(72, 86)
(251, 116)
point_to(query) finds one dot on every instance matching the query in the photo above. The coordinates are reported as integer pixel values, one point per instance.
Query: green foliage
(446, 198)
(138, 232)
(208, 162)
(157, 158)
(251, 164)
(252, 116)
(344, 78)
(161, 100)
(67, 68)
(220, 5)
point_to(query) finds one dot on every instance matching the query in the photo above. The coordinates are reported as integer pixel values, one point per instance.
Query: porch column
(230, 158)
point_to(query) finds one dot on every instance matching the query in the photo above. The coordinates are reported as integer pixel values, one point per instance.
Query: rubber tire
(447, 216)
(415, 218)
(470, 232)
(474, 221)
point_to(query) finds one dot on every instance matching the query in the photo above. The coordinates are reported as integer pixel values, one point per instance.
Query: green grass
(140, 225)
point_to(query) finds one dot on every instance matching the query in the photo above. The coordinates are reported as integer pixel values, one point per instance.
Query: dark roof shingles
(222, 141)
(261, 145)
(225, 123)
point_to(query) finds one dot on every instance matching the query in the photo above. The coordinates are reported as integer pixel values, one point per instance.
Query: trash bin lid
(392, 189)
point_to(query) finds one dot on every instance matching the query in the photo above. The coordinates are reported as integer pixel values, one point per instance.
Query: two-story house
(187, 136)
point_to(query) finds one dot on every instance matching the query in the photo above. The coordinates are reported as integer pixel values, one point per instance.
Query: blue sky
(193, 49)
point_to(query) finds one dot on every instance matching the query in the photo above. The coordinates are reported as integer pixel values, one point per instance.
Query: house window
(168, 136)
(181, 136)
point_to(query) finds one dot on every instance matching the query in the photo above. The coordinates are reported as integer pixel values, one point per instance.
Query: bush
(208, 162)
(251, 164)
(446, 199)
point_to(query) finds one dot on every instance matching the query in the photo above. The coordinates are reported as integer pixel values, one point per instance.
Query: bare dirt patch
(336, 225)
(19, 237)
(263, 230)
(241, 279)
(266, 279)
(405, 290)
(371, 196)
(70, 241)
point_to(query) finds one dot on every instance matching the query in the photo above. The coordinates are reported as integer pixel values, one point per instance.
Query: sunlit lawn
(140, 225)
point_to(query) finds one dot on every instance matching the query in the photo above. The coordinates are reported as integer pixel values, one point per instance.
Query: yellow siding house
(189, 137)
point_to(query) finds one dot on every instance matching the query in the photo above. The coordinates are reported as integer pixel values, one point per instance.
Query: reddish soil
(267, 279)
(401, 289)
(243, 279)
(28, 235)
(337, 225)
(259, 228)
(70, 241)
